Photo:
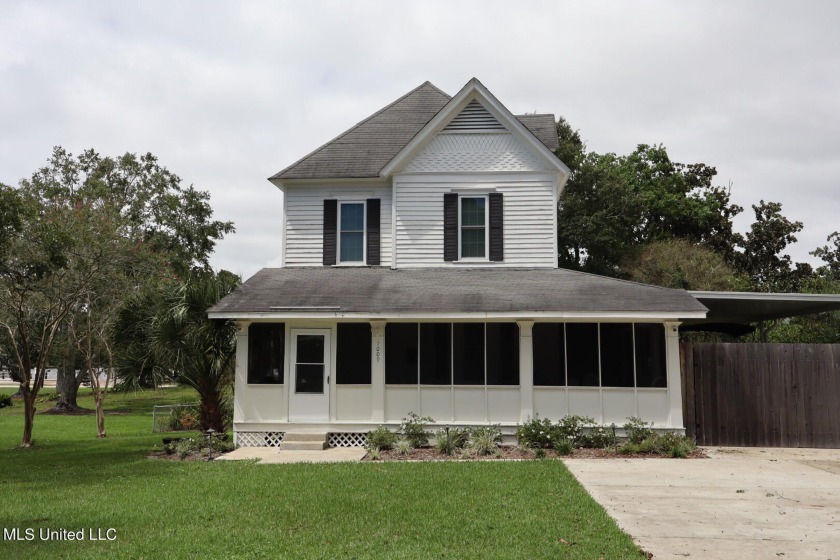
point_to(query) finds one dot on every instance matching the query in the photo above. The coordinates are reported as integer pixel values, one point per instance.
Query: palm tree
(173, 335)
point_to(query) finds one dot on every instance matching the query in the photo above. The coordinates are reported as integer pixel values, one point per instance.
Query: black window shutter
(450, 227)
(330, 223)
(373, 231)
(497, 238)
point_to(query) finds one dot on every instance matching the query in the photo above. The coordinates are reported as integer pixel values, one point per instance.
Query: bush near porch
(172, 509)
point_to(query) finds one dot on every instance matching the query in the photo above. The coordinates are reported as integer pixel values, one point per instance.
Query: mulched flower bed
(517, 454)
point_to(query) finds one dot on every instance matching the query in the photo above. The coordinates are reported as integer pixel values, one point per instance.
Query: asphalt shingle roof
(447, 290)
(365, 149)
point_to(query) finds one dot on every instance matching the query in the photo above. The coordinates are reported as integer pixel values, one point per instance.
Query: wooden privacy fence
(773, 395)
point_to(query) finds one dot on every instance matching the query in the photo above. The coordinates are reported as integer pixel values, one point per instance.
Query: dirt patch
(516, 454)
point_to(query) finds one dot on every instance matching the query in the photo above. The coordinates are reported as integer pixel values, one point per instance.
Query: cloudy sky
(228, 93)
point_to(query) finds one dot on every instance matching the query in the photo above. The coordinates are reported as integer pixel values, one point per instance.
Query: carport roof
(752, 307)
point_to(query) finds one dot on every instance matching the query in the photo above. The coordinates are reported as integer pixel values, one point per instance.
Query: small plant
(676, 446)
(535, 433)
(447, 441)
(374, 454)
(184, 419)
(637, 429)
(184, 447)
(403, 447)
(598, 438)
(485, 440)
(381, 438)
(564, 446)
(571, 428)
(5, 400)
(539, 453)
(413, 429)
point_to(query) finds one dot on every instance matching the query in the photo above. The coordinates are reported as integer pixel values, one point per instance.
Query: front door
(309, 395)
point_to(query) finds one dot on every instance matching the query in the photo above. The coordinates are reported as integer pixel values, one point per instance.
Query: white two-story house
(419, 274)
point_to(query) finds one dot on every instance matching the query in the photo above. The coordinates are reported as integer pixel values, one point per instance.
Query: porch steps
(304, 441)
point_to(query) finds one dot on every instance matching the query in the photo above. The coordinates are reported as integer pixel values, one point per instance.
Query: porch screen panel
(468, 353)
(502, 354)
(582, 354)
(616, 355)
(353, 354)
(549, 355)
(650, 355)
(401, 354)
(435, 353)
(266, 347)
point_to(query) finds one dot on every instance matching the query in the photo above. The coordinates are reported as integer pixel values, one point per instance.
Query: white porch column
(526, 370)
(377, 370)
(240, 368)
(672, 356)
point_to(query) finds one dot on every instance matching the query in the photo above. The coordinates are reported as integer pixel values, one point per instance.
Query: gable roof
(362, 151)
(341, 292)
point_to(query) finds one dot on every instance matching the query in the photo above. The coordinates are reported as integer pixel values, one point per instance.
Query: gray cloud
(225, 94)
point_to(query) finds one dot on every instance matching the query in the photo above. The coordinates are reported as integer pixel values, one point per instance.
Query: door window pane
(650, 355)
(310, 349)
(435, 354)
(266, 347)
(353, 354)
(401, 353)
(468, 353)
(549, 355)
(616, 355)
(582, 354)
(309, 378)
(352, 233)
(502, 354)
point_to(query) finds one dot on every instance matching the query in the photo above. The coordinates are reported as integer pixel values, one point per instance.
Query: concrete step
(305, 436)
(302, 445)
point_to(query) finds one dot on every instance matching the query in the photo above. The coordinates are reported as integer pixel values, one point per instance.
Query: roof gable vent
(474, 117)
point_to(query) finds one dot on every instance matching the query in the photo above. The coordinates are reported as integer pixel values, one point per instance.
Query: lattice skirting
(259, 439)
(347, 439)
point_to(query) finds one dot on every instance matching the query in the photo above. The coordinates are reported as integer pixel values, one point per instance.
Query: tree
(831, 256)
(761, 257)
(612, 205)
(181, 342)
(678, 263)
(44, 269)
(152, 210)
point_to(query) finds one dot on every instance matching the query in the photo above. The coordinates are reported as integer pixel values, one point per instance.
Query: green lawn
(163, 509)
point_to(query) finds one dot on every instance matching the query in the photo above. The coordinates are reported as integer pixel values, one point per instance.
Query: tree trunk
(100, 414)
(67, 384)
(211, 411)
(28, 416)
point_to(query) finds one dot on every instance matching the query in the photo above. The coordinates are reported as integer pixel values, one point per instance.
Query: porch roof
(751, 307)
(361, 291)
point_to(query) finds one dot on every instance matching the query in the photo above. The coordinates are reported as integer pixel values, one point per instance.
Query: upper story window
(351, 232)
(473, 227)
(351, 228)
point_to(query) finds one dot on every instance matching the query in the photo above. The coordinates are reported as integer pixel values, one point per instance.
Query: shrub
(571, 428)
(535, 433)
(374, 454)
(381, 438)
(184, 418)
(564, 446)
(598, 438)
(413, 429)
(5, 400)
(675, 445)
(403, 447)
(637, 429)
(485, 440)
(448, 441)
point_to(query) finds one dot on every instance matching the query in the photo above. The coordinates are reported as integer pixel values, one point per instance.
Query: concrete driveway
(741, 503)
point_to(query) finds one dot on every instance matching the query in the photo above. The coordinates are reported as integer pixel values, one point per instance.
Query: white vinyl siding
(529, 236)
(305, 219)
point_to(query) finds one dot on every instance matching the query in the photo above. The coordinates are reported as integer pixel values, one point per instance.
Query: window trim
(363, 261)
(486, 257)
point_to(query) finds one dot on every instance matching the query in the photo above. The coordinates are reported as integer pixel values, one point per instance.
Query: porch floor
(272, 455)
